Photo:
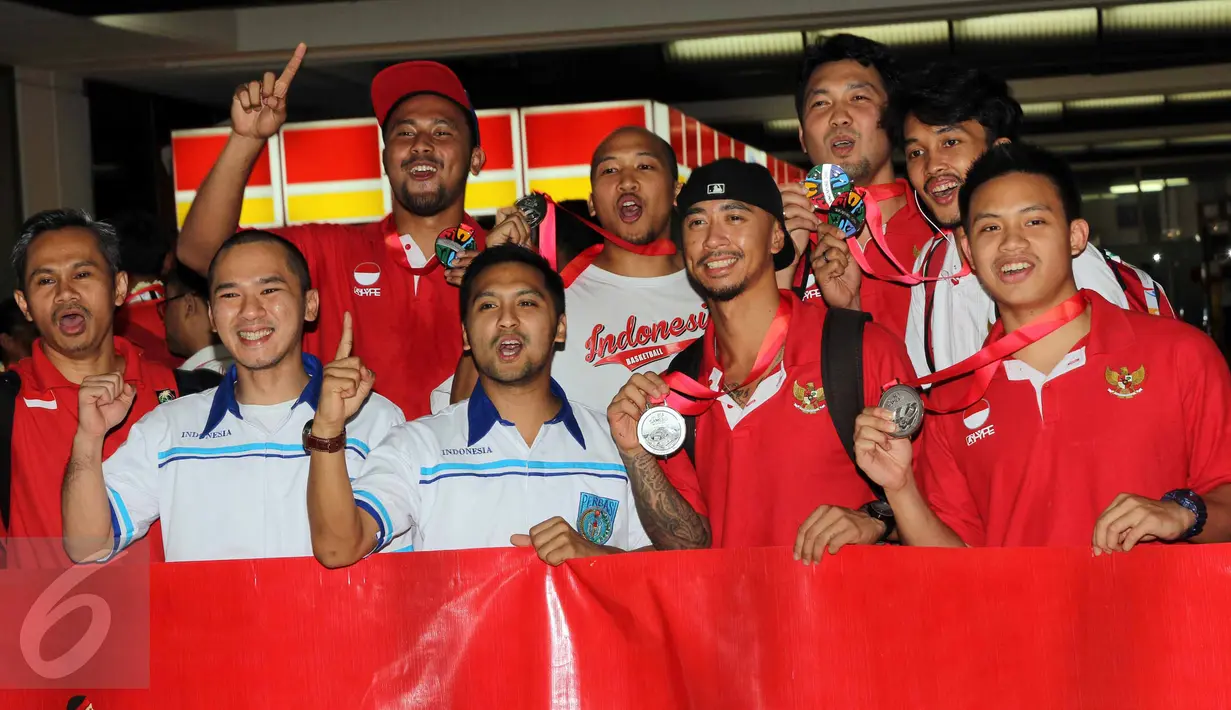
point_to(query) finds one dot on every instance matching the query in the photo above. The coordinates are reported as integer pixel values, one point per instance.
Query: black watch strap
(880, 510)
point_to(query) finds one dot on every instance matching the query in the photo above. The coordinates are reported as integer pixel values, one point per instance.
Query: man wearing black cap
(385, 274)
(766, 451)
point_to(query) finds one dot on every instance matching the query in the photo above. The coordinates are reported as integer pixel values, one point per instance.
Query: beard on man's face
(720, 294)
(429, 204)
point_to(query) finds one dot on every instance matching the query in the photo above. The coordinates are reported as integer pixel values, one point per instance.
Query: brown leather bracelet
(325, 446)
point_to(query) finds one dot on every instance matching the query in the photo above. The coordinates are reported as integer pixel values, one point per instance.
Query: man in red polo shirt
(1107, 427)
(386, 274)
(70, 286)
(770, 468)
(842, 97)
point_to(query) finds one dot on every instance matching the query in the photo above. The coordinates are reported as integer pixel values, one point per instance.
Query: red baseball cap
(401, 81)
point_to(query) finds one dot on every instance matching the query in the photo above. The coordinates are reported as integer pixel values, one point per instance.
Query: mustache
(495, 343)
(406, 164)
(71, 307)
(831, 133)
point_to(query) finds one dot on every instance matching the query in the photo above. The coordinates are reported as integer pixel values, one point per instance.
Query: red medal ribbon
(985, 362)
(547, 242)
(702, 397)
(871, 198)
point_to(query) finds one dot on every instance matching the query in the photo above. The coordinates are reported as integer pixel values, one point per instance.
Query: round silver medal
(907, 407)
(661, 430)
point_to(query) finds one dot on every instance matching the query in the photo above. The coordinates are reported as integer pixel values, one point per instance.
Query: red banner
(868, 628)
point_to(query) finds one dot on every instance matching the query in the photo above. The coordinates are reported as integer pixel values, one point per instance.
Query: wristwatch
(325, 446)
(1192, 502)
(880, 510)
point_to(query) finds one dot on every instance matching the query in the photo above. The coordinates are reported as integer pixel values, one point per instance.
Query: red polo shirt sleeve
(943, 483)
(680, 473)
(1206, 400)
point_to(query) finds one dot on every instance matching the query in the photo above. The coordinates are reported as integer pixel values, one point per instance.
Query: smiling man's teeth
(1014, 267)
(423, 169)
(719, 263)
(628, 203)
(255, 334)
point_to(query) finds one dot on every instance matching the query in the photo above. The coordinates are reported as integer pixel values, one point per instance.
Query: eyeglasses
(162, 305)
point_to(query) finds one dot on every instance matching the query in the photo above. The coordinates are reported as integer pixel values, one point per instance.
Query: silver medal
(533, 208)
(907, 407)
(661, 430)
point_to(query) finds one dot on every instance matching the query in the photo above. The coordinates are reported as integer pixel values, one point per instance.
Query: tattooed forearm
(668, 519)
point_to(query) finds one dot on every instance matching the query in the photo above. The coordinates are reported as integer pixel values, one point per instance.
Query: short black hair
(53, 220)
(665, 152)
(867, 52)
(12, 319)
(1008, 158)
(185, 280)
(294, 257)
(143, 243)
(510, 254)
(946, 94)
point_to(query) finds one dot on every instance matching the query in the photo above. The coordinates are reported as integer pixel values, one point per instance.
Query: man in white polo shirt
(516, 463)
(226, 469)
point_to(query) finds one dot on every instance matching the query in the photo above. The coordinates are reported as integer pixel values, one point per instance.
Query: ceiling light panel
(736, 48)
(1201, 96)
(1192, 16)
(1047, 27)
(1043, 110)
(1142, 144)
(782, 125)
(1118, 103)
(1202, 140)
(908, 34)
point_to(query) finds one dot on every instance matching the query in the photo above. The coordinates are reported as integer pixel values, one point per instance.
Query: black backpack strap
(688, 362)
(10, 385)
(193, 381)
(842, 374)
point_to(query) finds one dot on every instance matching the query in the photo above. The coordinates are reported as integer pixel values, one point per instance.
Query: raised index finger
(284, 81)
(348, 338)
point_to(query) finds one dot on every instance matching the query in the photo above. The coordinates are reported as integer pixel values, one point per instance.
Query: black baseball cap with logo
(750, 183)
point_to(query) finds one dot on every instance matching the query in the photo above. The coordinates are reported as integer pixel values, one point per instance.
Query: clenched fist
(102, 403)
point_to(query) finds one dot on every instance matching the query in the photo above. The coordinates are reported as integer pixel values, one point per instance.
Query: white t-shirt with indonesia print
(618, 325)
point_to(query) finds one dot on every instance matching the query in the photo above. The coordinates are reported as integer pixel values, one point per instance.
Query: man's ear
(561, 328)
(465, 339)
(678, 186)
(121, 288)
(960, 234)
(312, 305)
(20, 297)
(478, 158)
(802, 144)
(590, 205)
(777, 240)
(1079, 236)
